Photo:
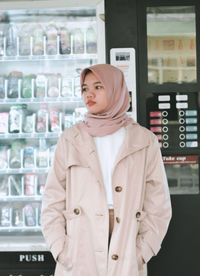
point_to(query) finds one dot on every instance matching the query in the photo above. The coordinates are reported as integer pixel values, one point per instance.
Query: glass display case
(171, 44)
(42, 52)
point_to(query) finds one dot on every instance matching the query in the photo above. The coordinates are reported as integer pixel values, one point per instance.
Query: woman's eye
(98, 87)
(84, 89)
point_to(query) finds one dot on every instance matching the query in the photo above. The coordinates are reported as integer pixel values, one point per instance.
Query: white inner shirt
(107, 148)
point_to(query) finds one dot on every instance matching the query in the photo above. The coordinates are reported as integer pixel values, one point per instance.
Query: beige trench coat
(75, 221)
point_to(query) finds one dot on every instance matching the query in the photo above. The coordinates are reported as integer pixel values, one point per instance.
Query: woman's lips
(90, 103)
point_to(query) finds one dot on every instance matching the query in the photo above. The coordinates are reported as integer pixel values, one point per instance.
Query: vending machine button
(192, 144)
(155, 122)
(181, 105)
(155, 114)
(191, 128)
(164, 98)
(191, 120)
(156, 129)
(191, 112)
(164, 105)
(191, 136)
(181, 97)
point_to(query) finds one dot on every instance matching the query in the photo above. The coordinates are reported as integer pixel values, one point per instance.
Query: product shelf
(34, 135)
(45, 58)
(21, 229)
(9, 198)
(24, 171)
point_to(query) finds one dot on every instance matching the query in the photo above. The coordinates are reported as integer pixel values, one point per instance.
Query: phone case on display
(3, 157)
(15, 154)
(38, 39)
(15, 185)
(41, 82)
(29, 153)
(27, 86)
(51, 34)
(13, 81)
(2, 86)
(4, 186)
(5, 219)
(30, 215)
(65, 40)
(24, 40)
(53, 89)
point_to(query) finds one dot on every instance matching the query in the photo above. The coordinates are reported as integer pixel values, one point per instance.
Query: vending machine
(43, 49)
(165, 36)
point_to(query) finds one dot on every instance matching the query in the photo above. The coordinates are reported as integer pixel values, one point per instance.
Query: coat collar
(135, 140)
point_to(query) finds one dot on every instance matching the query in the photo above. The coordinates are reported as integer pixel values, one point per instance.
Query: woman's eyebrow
(97, 82)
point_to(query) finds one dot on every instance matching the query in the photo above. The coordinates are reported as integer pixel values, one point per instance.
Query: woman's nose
(90, 94)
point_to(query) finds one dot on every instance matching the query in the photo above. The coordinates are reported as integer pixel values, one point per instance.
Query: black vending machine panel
(173, 117)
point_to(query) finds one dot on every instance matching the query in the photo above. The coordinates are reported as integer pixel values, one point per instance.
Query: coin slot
(165, 137)
(165, 145)
(165, 121)
(164, 113)
(181, 113)
(165, 129)
(181, 121)
(182, 144)
(181, 128)
(182, 136)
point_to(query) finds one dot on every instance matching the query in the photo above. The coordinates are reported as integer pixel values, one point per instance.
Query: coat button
(115, 257)
(118, 189)
(117, 219)
(138, 215)
(76, 211)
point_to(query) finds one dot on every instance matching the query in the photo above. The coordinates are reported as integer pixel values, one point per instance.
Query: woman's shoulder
(70, 134)
(70, 131)
(142, 133)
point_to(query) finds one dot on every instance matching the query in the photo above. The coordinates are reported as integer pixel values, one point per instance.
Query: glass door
(42, 52)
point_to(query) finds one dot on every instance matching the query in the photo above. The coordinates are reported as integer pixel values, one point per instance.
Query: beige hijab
(114, 116)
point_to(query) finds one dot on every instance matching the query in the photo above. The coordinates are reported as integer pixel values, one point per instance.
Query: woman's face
(94, 94)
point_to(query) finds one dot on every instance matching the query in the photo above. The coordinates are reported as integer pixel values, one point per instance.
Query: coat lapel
(132, 142)
(87, 152)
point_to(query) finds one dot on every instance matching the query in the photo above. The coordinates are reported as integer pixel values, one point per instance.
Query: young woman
(106, 206)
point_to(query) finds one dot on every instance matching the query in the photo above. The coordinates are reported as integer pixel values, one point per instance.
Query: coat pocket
(65, 257)
(71, 215)
(73, 218)
(139, 216)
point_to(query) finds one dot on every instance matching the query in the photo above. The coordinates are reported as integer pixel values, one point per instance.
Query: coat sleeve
(53, 202)
(156, 206)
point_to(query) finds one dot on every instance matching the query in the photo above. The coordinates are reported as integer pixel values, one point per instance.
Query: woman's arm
(53, 203)
(156, 207)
